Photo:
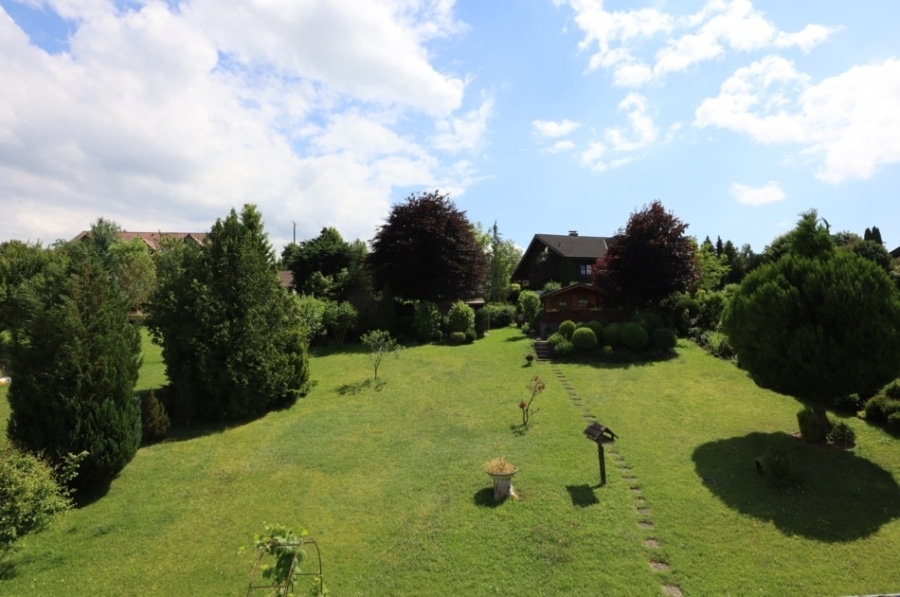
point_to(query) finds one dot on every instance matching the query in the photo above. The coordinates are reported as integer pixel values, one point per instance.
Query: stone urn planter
(501, 472)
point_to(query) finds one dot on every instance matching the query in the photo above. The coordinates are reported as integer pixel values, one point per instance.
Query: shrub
(663, 339)
(457, 338)
(514, 290)
(566, 328)
(554, 339)
(841, 434)
(609, 335)
(584, 339)
(339, 318)
(482, 322)
(564, 348)
(717, 343)
(502, 315)
(880, 407)
(426, 322)
(471, 336)
(893, 422)
(633, 335)
(596, 327)
(650, 320)
(607, 350)
(779, 468)
(811, 429)
(892, 391)
(460, 318)
(687, 309)
(154, 419)
(29, 496)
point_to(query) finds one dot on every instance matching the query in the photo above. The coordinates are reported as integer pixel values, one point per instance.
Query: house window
(585, 270)
(563, 302)
(582, 301)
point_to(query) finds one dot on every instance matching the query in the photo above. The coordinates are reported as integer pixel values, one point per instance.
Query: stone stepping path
(643, 512)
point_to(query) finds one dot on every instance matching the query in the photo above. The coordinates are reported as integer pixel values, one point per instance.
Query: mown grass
(387, 477)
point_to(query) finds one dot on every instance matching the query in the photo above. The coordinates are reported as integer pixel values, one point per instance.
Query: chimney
(573, 233)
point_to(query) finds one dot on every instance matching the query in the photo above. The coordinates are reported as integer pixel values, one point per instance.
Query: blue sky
(545, 116)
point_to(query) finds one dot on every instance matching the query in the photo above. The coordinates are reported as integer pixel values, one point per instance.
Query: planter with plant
(501, 472)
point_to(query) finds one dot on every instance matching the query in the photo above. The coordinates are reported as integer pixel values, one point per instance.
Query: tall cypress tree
(75, 359)
(233, 340)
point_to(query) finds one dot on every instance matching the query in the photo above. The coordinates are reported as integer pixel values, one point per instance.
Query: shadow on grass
(8, 570)
(582, 496)
(351, 389)
(485, 498)
(841, 497)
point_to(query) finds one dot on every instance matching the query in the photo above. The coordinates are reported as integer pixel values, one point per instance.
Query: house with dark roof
(563, 258)
(896, 253)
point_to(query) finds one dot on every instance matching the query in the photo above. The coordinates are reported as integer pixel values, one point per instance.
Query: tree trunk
(822, 416)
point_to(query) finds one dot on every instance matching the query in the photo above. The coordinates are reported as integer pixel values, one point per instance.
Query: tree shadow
(8, 568)
(519, 430)
(485, 498)
(841, 497)
(582, 496)
(351, 389)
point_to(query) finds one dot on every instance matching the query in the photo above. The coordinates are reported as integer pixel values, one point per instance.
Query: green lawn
(387, 477)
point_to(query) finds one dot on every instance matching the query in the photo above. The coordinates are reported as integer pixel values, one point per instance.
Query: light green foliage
(380, 345)
(566, 329)
(584, 339)
(280, 553)
(530, 306)
(135, 272)
(311, 311)
(339, 318)
(711, 268)
(460, 318)
(818, 323)
(426, 322)
(29, 496)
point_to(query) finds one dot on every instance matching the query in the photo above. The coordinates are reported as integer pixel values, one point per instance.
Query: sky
(544, 116)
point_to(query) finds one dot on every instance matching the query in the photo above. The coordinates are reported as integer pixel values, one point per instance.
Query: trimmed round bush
(584, 339)
(610, 336)
(596, 327)
(460, 318)
(564, 348)
(457, 338)
(567, 328)
(650, 320)
(634, 335)
(663, 339)
(841, 434)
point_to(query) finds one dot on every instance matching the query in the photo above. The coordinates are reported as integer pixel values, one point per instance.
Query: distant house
(896, 253)
(566, 259)
(152, 239)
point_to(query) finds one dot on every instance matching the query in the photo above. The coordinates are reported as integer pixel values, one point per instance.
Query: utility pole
(295, 231)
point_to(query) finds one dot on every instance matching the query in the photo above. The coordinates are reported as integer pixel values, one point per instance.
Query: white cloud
(640, 133)
(560, 146)
(848, 123)
(769, 193)
(553, 129)
(158, 117)
(645, 44)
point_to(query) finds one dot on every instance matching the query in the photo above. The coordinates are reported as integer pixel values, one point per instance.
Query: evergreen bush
(811, 428)
(566, 328)
(841, 434)
(650, 320)
(482, 322)
(154, 419)
(501, 314)
(584, 339)
(457, 338)
(634, 335)
(663, 339)
(596, 327)
(610, 335)
(427, 322)
(460, 318)
(564, 348)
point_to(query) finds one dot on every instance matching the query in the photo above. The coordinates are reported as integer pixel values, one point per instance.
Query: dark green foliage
(634, 335)
(811, 427)
(554, 339)
(29, 496)
(663, 339)
(456, 338)
(648, 261)
(482, 322)
(584, 339)
(471, 335)
(328, 267)
(650, 320)
(564, 348)
(566, 329)
(712, 305)
(75, 359)
(841, 434)
(234, 341)
(154, 419)
(874, 252)
(514, 290)
(460, 318)
(780, 469)
(502, 315)
(884, 408)
(610, 335)
(818, 323)
(596, 327)
(873, 235)
(426, 322)
(427, 251)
